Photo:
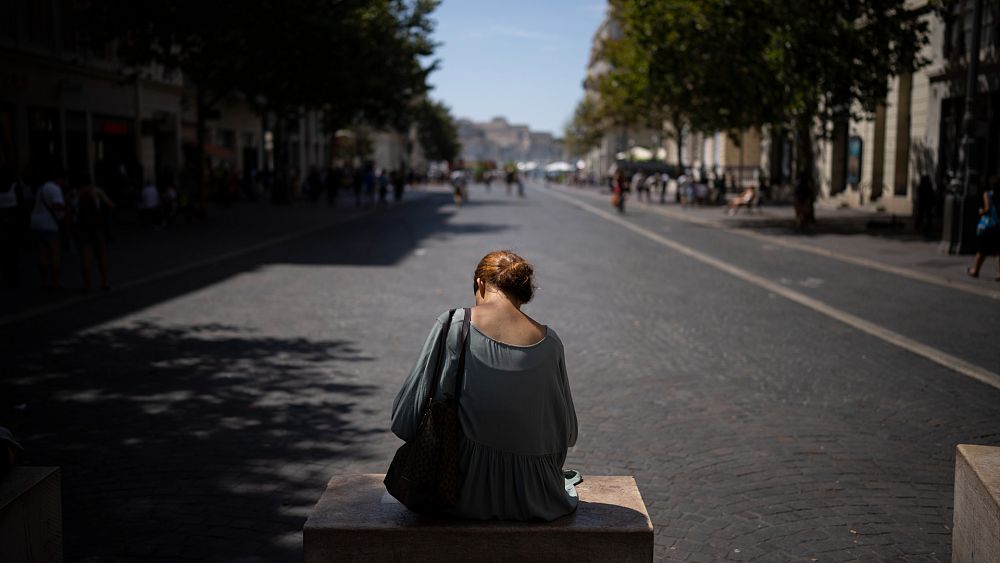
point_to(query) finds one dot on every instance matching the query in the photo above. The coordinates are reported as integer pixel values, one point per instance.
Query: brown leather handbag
(424, 472)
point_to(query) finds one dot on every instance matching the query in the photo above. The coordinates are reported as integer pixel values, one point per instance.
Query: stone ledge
(356, 520)
(976, 529)
(31, 515)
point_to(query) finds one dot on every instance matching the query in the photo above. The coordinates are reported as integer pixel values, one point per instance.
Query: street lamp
(960, 203)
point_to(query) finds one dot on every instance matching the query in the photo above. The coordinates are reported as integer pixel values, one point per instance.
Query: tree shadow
(188, 442)
(383, 238)
(889, 227)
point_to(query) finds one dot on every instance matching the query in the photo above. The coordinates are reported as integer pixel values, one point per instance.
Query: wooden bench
(31, 515)
(976, 530)
(356, 520)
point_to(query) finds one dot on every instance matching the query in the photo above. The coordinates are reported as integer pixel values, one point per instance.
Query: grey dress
(517, 417)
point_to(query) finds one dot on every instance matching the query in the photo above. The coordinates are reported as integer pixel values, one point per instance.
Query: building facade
(64, 106)
(910, 147)
(500, 141)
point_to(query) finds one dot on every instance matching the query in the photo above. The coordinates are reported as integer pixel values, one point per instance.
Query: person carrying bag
(987, 231)
(424, 474)
(486, 412)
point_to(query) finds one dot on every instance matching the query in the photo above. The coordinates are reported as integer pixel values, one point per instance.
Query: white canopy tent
(559, 167)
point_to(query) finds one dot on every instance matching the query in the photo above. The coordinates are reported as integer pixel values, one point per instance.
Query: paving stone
(209, 411)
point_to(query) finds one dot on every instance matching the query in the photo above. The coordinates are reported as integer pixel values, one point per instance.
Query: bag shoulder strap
(463, 337)
(442, 345)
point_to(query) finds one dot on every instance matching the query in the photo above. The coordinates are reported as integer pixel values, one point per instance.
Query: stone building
(916, 131)
(500, 141)
(62, 104)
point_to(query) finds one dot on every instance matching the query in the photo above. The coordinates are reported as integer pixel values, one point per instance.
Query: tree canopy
(583, 132)
(355, 59)
(731, 65)
(436, 131)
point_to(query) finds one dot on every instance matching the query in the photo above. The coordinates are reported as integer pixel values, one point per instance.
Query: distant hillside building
(500, 141)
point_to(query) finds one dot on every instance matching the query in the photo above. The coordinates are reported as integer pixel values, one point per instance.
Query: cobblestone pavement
(199, 418)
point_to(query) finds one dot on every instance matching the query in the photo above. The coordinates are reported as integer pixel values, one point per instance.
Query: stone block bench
(357, 520)
(31, 515)
(976, 530)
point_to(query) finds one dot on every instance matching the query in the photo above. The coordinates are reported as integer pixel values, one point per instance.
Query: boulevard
(198, 412)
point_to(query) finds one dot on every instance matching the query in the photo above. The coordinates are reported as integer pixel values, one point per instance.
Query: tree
(436, 131)
(735, 64)
(356, 60)
(584, 131)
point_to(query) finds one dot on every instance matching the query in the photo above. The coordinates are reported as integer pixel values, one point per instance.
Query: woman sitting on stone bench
(515, 407)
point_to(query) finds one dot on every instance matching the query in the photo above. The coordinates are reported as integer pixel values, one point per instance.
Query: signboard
(854, 148)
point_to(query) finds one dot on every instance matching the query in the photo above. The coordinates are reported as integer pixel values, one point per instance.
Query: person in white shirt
(46, 216)
(149, 205)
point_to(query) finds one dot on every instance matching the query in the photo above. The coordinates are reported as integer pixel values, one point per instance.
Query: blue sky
(524, 60)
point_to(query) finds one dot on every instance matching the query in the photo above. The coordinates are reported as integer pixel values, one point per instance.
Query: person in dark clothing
(987, 231)
(382, 181)
(89, 205)
(397, 185)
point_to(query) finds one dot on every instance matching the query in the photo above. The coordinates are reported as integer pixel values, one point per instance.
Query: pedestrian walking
(149, 205)
(507, 376)
(636, 185)
(90, 205)
(383, 188)
(397, 179)
(510, 178)
(648, 185)
(9, 227)
(369, 183)
(520, 184)
(618, 191)
(46, 218)
(458, 182)
(987, 231)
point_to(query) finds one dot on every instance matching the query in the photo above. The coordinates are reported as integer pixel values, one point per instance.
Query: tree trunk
(805, 187)
(679, 130)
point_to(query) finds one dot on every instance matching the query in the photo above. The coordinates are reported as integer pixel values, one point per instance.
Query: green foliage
(436, 131)
(584, 130)
(730, 65)
(358, 60)
(733, 64)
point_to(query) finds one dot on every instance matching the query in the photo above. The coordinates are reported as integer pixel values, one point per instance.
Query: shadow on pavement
(380, 239)
(174, 441)
(888, 227)
(185, 441)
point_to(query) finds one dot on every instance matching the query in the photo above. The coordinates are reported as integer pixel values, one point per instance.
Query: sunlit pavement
(198, 418)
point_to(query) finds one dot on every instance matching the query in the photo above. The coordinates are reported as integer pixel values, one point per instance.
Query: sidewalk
(872, 239)
(139, 255)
